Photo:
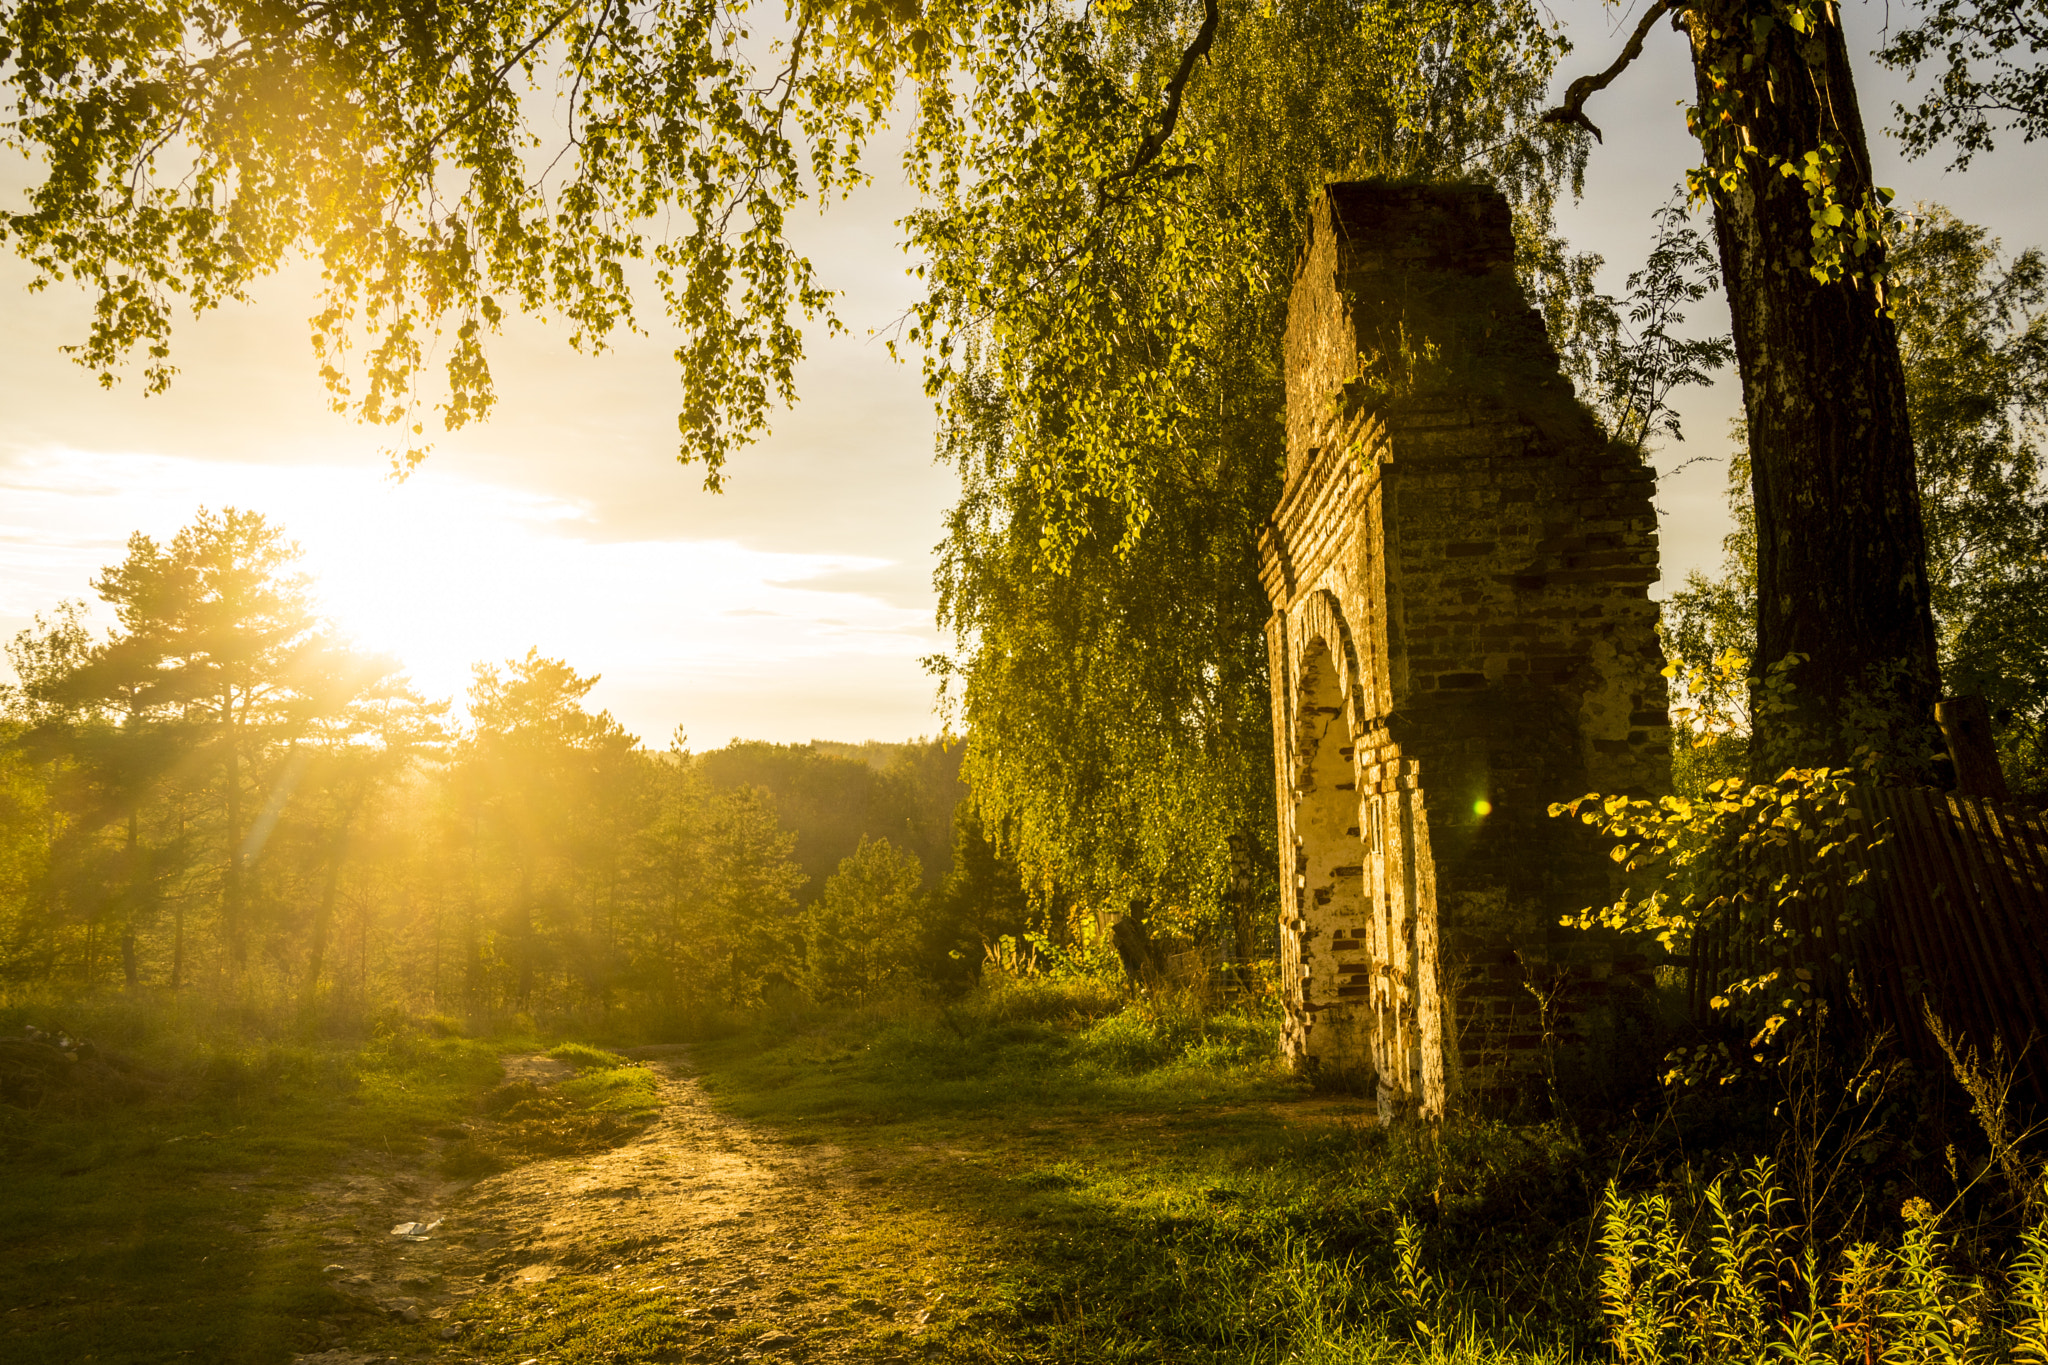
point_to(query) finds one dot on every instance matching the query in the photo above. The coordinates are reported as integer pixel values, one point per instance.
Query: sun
(444, 571)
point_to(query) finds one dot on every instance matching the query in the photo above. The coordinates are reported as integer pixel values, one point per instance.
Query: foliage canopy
(1104, 337)
(1973, 335)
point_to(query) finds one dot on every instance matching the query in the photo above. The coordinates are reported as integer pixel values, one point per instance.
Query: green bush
(1043, 998)
(584, 1057)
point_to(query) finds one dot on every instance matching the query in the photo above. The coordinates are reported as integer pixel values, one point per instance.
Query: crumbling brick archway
(1461, 635)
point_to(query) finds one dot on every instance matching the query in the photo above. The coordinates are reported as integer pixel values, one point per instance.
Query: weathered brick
(1477, 584)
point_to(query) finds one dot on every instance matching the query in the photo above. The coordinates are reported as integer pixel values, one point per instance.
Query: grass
(579, 1318)
(1088, 1180)
(1091, 1180)
(607, 1101)
(1041, 1173)
(183, 1212)
(625, 1094)
(165, 1226)
(584, 1057)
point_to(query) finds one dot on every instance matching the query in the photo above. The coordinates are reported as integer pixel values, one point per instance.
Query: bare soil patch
(698, 1217)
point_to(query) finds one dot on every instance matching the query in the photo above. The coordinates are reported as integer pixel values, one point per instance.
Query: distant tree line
(221, 793)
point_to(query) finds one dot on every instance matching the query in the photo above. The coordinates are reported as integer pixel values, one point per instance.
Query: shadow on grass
(1141, 1181)
(175, 1222)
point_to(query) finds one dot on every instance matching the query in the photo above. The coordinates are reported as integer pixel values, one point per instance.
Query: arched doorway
(1331, 1019)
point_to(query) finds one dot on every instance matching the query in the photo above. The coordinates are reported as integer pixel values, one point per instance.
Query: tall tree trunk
(1239, 900)
(472, 938)
(472, 957)
(178, 947)
(231, 886)
(178, 924)
(46, 894)
(136, 890)
(363, 950)
(1841, 551)
(316, 957)
(524, 931)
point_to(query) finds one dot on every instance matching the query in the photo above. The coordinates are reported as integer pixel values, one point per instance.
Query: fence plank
(2013, 918)
(1960, 925)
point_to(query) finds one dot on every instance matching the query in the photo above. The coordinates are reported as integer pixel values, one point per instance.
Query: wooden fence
(1952, 919)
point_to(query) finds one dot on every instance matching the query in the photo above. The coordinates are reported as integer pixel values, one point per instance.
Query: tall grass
(196, 1045)
(160, 1197)
(1736, 1281)
(1185, 1210)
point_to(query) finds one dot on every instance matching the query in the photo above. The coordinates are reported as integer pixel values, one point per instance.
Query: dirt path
(697, 1209)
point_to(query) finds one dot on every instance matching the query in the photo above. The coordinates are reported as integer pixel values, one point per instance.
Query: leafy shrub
(1749, 860)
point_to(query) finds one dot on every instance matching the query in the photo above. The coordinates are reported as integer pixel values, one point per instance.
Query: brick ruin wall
(1461, 634)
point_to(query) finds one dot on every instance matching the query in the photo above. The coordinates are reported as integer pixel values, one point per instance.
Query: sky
(797, 604)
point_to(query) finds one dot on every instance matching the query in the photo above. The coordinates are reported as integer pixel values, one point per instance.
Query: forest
(341, 1023)
(221, 796)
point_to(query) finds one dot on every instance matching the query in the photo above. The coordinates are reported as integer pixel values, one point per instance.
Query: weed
(579, 1317)
(584, 1057)
(1082, 1175)
(603, 1106)
(1742, 1290)
(1988, 1081)
(1146, 1183)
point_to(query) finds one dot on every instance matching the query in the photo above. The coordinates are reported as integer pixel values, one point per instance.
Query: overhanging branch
(1573, 110)
(1155, 141)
